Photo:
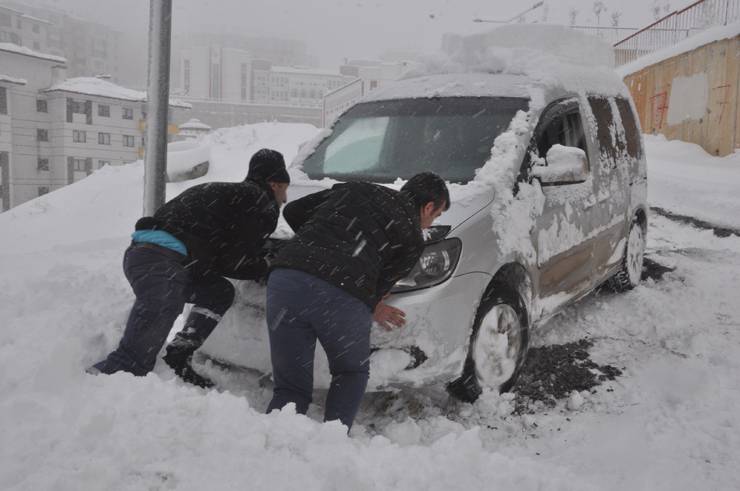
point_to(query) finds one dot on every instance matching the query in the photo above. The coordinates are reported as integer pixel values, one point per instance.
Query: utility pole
(158, 99)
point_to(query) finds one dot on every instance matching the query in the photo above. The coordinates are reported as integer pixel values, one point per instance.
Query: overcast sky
(334, 29)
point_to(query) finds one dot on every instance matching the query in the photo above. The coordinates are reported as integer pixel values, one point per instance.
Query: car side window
(605, 131)
(631, 132)
(565, 128)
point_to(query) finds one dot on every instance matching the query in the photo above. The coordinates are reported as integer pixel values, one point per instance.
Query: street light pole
(158, 98)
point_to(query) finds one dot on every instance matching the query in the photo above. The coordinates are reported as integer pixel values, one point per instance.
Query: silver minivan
(548, 188)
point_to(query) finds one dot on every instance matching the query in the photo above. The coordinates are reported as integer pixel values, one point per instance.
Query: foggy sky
(335, 29)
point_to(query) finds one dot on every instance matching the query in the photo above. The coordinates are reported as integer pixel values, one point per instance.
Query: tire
(484, 367)
(630, 272)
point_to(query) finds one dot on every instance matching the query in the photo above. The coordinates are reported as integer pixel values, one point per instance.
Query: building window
(42, 190)
(79, 136)
(42, 135)
(103, 163)
(36, 46)
(42, 164)
(79, 165)
(3, 101)
(41, 106)
(128, 113)
(104, 110)
(103, 138)
(129, 141)
(35, 29)
(6, 20)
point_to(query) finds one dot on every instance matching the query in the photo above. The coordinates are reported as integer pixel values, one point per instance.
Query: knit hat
(268, 165)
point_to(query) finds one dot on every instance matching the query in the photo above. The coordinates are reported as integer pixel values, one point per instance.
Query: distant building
(22, 29)
(365, 76)
(215, 73)
(90, 48)
(294, 86)
(55, 131)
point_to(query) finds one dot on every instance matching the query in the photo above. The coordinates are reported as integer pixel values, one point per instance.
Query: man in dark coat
(353, 243)
(182, 254)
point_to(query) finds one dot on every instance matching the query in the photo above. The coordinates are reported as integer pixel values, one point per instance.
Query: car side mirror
(565, 165)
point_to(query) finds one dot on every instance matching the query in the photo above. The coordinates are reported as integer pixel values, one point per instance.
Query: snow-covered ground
(669, 422)
(685, 180)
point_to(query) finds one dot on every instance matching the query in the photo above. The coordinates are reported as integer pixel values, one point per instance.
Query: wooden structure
(707, 76)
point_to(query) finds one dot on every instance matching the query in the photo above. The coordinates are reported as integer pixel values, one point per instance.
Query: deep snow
(669, 422)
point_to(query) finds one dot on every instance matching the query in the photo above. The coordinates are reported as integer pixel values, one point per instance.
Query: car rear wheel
(498, 347)
(630, 273)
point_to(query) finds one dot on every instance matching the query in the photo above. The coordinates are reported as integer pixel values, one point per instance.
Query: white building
(366, 76)
(294, 86)
(54, 132)
(215, 73)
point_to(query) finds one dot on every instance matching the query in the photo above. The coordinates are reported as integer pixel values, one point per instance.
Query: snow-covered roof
(22, 50)
(305, 71)
(194, 124)
(709, 36)
(104, 88)
(12, 80)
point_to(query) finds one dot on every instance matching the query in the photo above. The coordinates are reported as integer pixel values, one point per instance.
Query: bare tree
(656, 9)
(573, 15)
(545, 13)
(599, 8)
(616, 17)
(667, 8)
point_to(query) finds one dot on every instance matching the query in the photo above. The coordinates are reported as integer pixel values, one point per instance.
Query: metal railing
(675, 27)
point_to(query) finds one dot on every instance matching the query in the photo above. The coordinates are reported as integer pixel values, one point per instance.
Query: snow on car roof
(104, 88)
(514, 61)
(454, 85)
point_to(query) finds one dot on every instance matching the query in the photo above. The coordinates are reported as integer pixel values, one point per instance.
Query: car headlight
(436, 265)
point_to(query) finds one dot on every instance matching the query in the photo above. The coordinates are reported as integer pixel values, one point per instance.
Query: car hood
(466, 199)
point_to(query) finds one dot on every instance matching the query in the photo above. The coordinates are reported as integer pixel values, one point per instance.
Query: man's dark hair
(269, 166)
(427, 187)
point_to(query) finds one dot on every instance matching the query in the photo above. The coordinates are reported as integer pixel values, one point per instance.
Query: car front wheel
(630, 273)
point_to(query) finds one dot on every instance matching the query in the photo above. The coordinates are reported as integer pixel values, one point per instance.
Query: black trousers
(301, 309)
(163, 286)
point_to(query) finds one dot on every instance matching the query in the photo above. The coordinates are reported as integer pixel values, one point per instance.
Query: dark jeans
(162, 286)
(301, 309)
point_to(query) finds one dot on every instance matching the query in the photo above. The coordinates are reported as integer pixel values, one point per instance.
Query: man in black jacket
(353, 243)
(182, 254)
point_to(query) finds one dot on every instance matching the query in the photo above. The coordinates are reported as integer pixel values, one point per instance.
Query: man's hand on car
(389, 317)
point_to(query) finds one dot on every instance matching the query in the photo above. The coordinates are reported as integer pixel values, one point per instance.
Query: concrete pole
(158, 95)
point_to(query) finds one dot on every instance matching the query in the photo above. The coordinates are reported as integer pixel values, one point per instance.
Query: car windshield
(382, 141)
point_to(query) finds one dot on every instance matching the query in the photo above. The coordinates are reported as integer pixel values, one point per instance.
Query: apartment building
(294, 86)
(55, 131)
(22, 29)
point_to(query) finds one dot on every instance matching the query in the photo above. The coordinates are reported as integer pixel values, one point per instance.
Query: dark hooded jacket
(224, 225)
(360, 237)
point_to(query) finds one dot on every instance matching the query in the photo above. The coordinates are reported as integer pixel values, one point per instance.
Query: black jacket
(360, 237)
(224, 225)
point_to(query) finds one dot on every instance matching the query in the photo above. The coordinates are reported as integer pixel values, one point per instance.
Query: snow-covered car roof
(514, 61)
(455, 85)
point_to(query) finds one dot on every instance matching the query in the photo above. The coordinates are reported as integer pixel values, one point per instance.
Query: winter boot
(179, 357)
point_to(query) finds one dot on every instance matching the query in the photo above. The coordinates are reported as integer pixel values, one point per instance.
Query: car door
(562, 231)
(612, 180)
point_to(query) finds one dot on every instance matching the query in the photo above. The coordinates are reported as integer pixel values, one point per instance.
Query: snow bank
(684, 179)
(106, 204)
(696, 41)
